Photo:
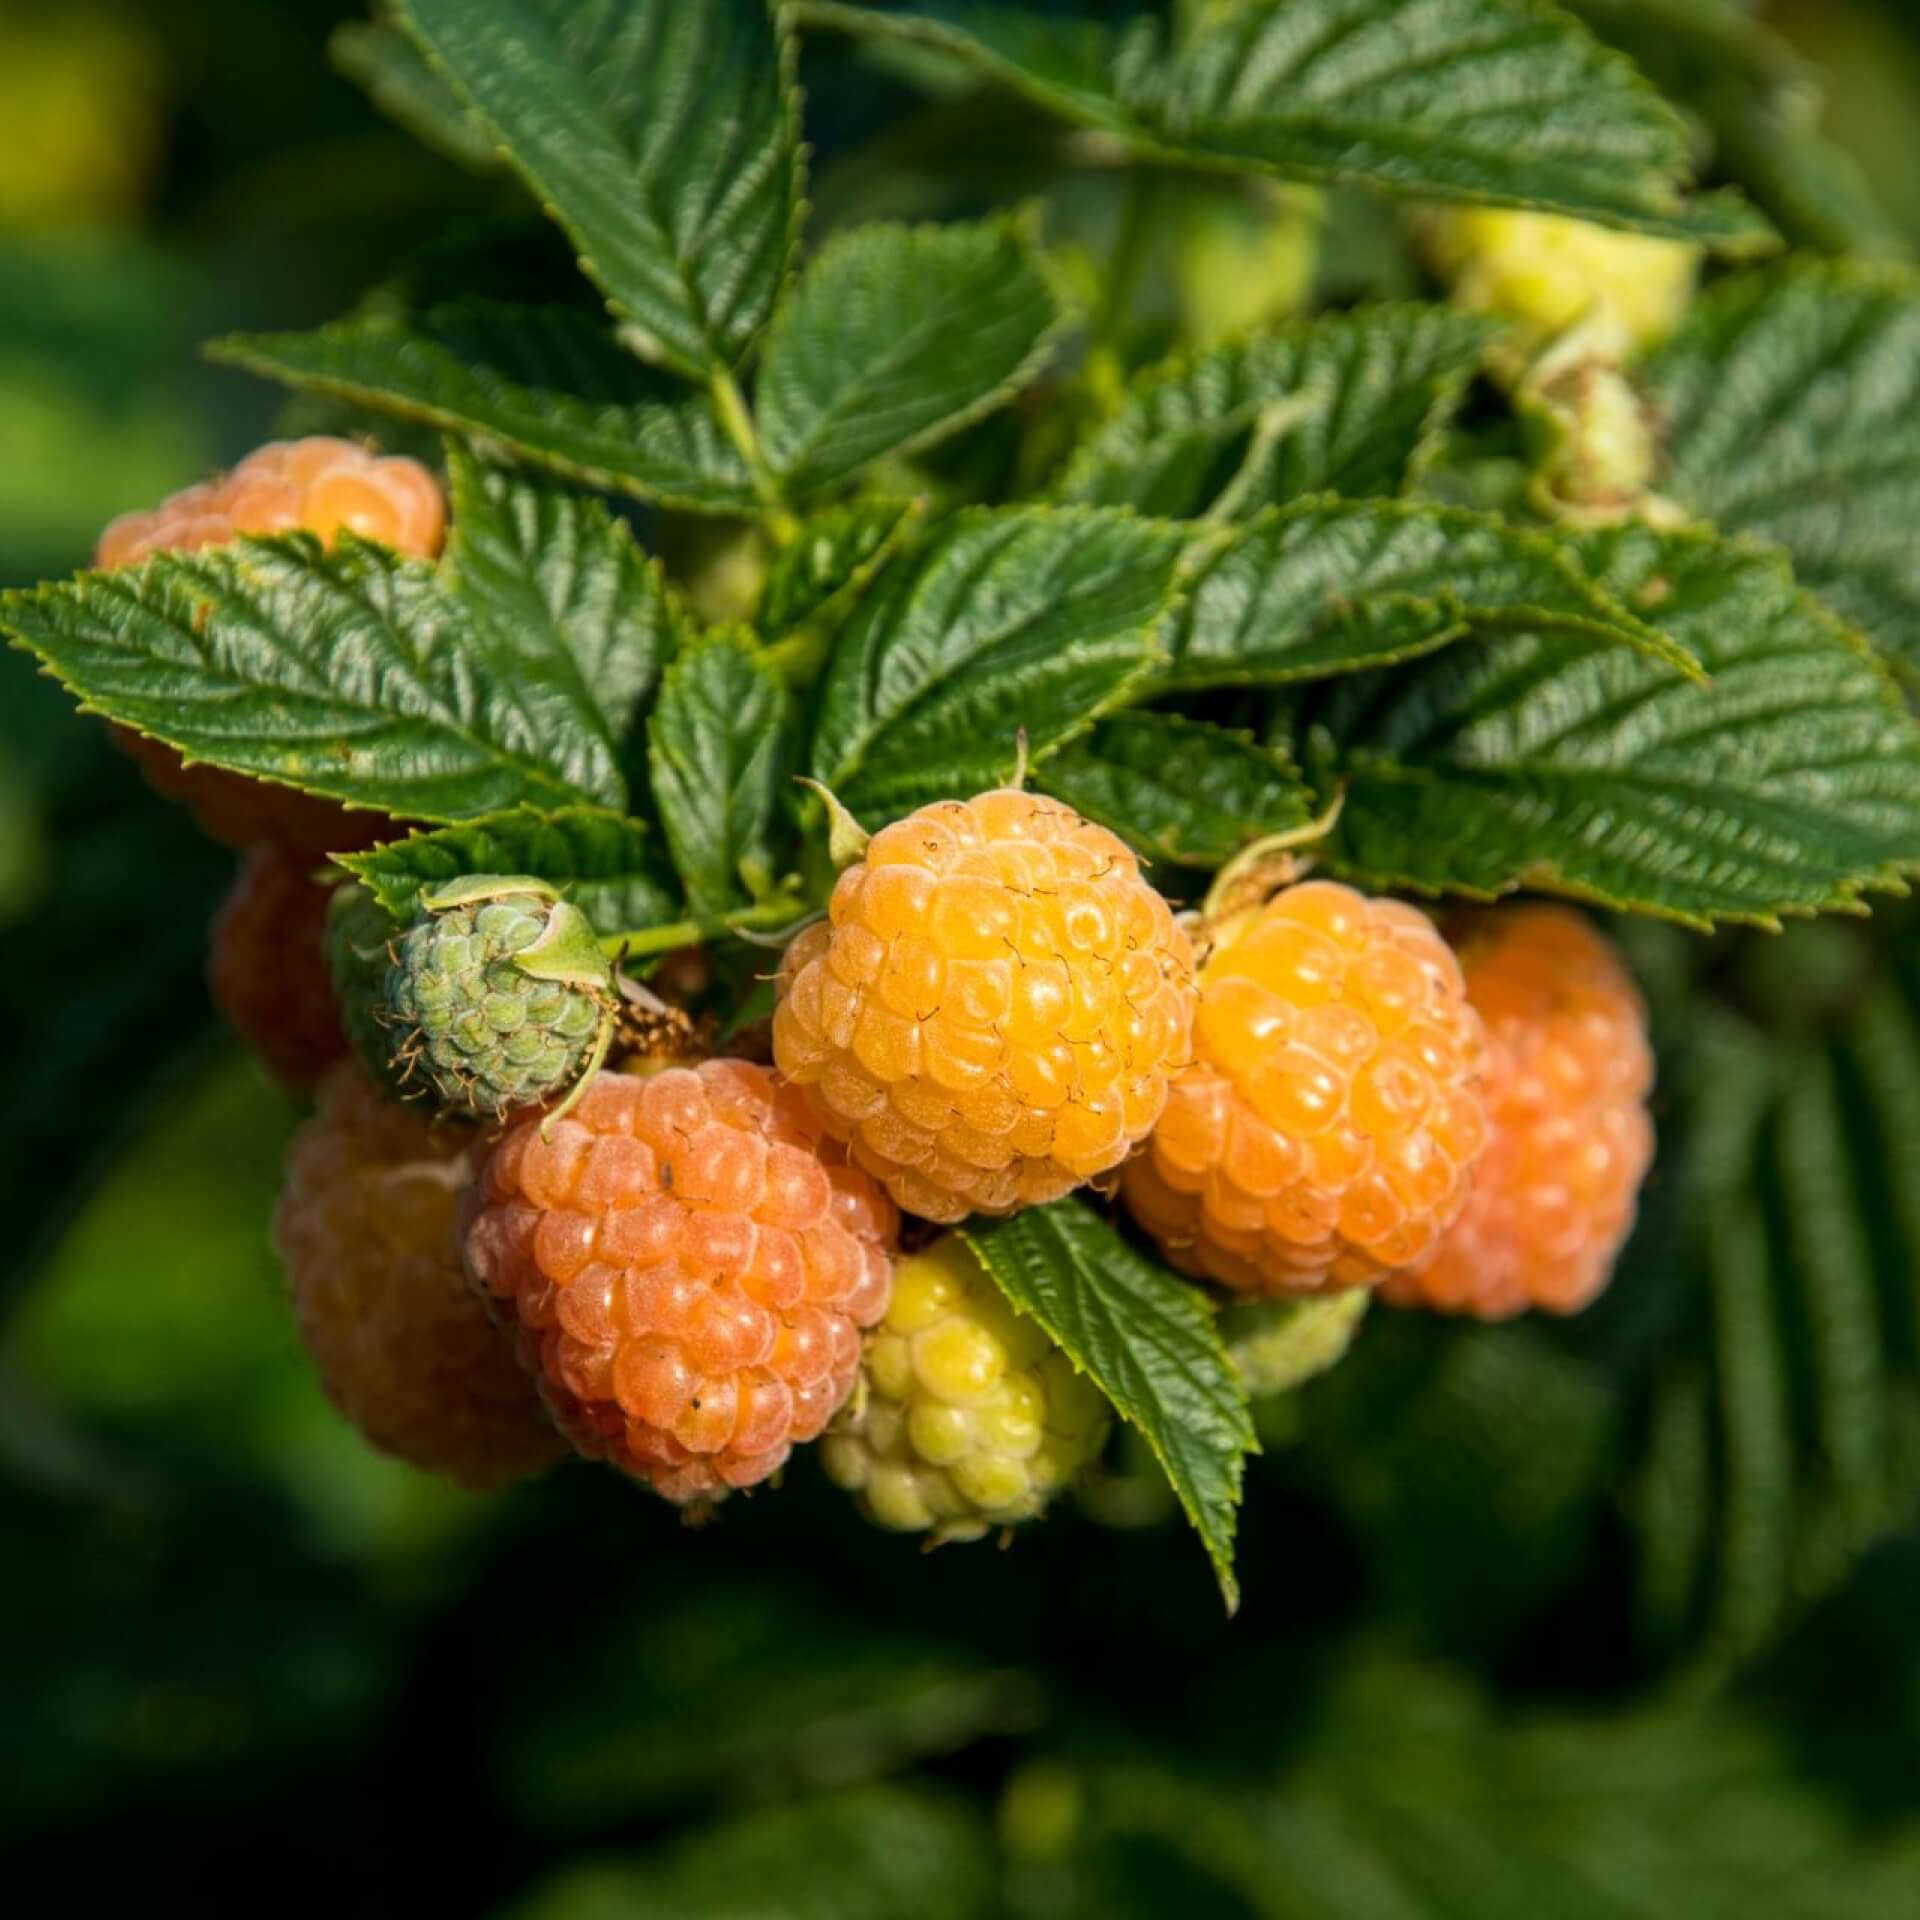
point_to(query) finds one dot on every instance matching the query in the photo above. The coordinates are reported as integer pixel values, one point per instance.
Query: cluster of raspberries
(516, 1229)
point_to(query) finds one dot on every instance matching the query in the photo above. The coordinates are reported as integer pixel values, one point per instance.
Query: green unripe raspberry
(967, 1417)
(497, 997)
(1277, 1345)
(361, 937)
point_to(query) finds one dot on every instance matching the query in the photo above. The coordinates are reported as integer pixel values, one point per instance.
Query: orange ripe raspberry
(1568, 1075)
(1327, 1130)
(367, 1226)
(267, 966)
(691, 1268)
(322, 485)
(993, 1009)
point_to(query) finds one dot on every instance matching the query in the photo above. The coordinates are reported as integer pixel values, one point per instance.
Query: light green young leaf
(1146, 1339)
(663, 137)
(355, 675)
(1793, 403)
(535, 559)
(1178, 789)
(547, 385)
(817, 577)
(1000, 620)
(1788, 784)
(1330, 586)
(895, 337)
(1499, 100)
(611, 867)
(719, 751)
(1352, 399)
(394, 75)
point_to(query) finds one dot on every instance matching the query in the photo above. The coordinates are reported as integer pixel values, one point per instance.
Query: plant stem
(645, 942)
(730, 404)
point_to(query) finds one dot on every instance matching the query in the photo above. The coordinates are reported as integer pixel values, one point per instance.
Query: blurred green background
(244, 1661)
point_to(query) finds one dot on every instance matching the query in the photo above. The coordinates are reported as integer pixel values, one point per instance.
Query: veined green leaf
(394, 75)
(1000, 620)
(1498, 100)
(356, 675)
(895, 337)
(1354, 399)
(611, 867)
(663, 137)
(719, 753)
(1788, 784)
(1793, 402)
(1178, 789)
(533, 558)
(544, 384)
(1146, 1339)
(819, 574)
(1330, 586)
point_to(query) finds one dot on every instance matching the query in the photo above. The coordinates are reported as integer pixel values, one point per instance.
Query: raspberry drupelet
(1568, 1075)
(367, 1226)
(691, 1266)
(993, 1009)
(1327, 1130)
(323, 486)
(267, 966)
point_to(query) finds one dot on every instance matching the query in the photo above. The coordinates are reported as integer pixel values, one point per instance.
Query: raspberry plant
(1122, 504)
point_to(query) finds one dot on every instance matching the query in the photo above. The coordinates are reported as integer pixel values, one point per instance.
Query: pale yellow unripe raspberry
(1548, 273)
(967, 1417)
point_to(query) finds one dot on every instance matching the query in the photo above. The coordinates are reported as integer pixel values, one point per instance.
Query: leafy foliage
(1147, 1341)
(398, 80)
(819, 575)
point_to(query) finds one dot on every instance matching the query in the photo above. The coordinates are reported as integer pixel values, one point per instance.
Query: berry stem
(730, 404)
(647, 942)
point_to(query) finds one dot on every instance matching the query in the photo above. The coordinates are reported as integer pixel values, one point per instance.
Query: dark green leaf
(1146, 1339)
(1329, 586)
(1497, 100)
(544, 384)
(895, 337)
(1789, 784)
(356, 675)
(1000, 620)
(719, 755)
(1353, 401)
(613, 868)
(819, 574)
(664, 138)
(1178, 789)
(394, 75)
(1793, 403)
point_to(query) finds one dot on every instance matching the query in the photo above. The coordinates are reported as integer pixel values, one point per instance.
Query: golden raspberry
(367, 1225)
(267, 966)
(969, 1417)
(991, 1013)
(691, 1267)
(1326, 1132)
(1568, 1075)
(322, 485)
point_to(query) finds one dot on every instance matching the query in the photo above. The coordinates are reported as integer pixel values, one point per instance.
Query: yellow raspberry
(1548, 272)
(967, 1417)
(1327, 1130)
(991, 1013)
(1568, 1075)
(1279, 1345)
(367, 1226)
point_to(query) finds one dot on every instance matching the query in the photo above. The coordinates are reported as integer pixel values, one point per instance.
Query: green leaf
(356, 675)
(1793, 403)
(534, 559)
(1330, 586)
(718, 749)
(1789, 784)
(1000, 620)
(1146, 1339)
(1178, 789)
(895, 337)
(544, 384)
(664, 138)
(1497, 100)
(1354, 399)
(817, 576)
(394, 75)
(611, 867)
(872, 1854)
